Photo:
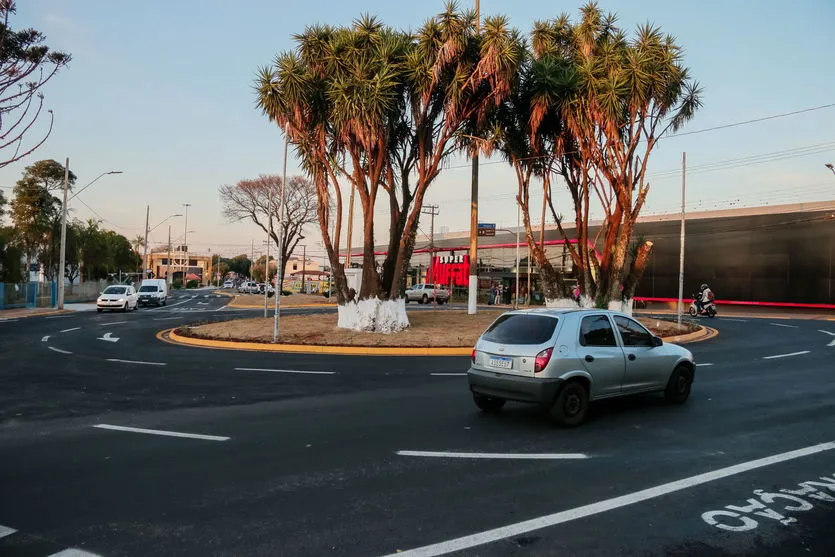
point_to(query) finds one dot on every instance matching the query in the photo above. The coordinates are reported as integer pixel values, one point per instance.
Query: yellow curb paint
(169, 336)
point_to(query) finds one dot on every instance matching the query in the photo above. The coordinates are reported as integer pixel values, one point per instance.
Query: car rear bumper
(513, 387)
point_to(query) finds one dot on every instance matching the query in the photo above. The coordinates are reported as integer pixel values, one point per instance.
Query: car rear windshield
(516, 328)
(115, 290)
(148, 289)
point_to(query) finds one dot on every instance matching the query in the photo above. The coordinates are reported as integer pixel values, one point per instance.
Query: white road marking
(785, 355)
(518, 528)
(202, 303)
(137, 362)
(162, 432)
(114, 323)
(44, 339)
(109, 338)
(703, 365)
(8, 320)
(286, 371)
(447, 374)
(59, 350)
(786, 326)
(68, 330)
(165, 318)
(205, 295)
(58, 317)
(6, 531)
(828, 333)
(74, 553)
(497, 456)
(732, 319)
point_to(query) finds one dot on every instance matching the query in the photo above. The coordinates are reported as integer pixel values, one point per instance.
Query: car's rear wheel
(571, 405)
(692, 311)
(679, 385)
(488, 404)
(425, 299)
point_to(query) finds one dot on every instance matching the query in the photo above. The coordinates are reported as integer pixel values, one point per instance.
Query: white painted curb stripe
(785, 355)
(68, 330)
(499, 456)
(286, 371)
(511, 530)
(136, 362)
(6, 531)
(59, 350)
(448, 374)
(73, 553)
(786, 326)
(162, 432)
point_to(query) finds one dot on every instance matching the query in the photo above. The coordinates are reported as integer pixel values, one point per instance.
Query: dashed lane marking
(6, 531)
(519, 528)
(496, 456)
(162, 432)
(790, 354)
(704, 365)
(786, 326)
(8, 320)
(45, 338)
(114, 323)
(304, 372)
(732, 319)
(69, 330)
(59, 350)
(448, 374)
(73, 553)
(138, 362)
(58, 317)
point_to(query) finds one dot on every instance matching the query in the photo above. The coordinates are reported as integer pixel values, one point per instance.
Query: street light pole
(681, 248)
(168, 264)
(185, 242)
(145, 250)
(279, 268)
(62, 258)
(472, 294)
(516, 305)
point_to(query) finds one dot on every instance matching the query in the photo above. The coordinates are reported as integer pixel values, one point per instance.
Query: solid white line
(6, 531)
(511, 530)
(58, 317)
(447, 374)
(162, 432)
(8, 320)
(165, 318)
(826, 332)
(786, 326)
(498, 456)
(785, 355)
(44, 339)
(701, 365)
(136, 362)
(73, 553)
(730, 319)
(286, 371)
(68, 330)
(114, 323)
(59, 350)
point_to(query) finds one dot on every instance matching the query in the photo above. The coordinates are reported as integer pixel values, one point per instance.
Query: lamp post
(185, 243)
(62, 259)
(148, 231)
(472, 293)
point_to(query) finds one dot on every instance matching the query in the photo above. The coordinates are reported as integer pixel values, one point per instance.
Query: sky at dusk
(162, 91)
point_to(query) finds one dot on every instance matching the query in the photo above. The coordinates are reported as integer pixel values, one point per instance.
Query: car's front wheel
(488, 404)
(571, 405)
(679, 385)
(425, 299)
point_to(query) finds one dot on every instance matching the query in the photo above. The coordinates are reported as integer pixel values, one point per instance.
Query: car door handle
(589, 358)
(631, 357)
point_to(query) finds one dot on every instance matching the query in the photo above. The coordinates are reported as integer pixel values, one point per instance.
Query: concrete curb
(169, 336)
(40, 314)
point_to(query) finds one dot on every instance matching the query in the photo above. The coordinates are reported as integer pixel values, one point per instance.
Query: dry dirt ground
(286, 301)
(429, 328)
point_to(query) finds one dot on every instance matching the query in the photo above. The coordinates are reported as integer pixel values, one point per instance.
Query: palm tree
(600, 102)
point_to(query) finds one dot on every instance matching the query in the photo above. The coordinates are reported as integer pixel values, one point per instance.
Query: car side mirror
(656, 341)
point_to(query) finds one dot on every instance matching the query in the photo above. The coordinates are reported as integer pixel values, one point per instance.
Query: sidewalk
(18, 313)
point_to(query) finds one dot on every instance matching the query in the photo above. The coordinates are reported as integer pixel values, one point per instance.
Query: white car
(229, 284)
(118, 297)
(425, 293)
(249, 287)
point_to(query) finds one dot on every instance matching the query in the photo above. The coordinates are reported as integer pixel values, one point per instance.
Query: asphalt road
(307, 463)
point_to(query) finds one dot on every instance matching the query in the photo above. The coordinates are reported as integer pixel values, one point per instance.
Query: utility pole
(431, 210)
(145, 250)
(185, 241)
(62, 260)
(252, 261)
(279, 284)
(168, 265)
(304, 268)
(681, 253)
(472, 294)
(516, 304)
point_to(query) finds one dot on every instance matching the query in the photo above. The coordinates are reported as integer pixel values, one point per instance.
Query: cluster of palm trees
(381, 110)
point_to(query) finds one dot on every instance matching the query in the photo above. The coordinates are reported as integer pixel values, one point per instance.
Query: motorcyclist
(705, 297)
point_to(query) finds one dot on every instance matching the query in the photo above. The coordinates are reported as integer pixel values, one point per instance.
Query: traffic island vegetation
(437, 328)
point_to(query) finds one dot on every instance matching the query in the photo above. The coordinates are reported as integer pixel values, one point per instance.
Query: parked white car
(118, 297)
(425, 293)
(229, 284)
(248, 287)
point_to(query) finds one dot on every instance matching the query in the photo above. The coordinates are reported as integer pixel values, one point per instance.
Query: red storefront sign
(449, 269)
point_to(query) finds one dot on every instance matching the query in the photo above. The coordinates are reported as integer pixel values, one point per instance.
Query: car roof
(556, 312)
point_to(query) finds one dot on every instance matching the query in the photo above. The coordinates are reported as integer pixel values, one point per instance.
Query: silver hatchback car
(566, 358)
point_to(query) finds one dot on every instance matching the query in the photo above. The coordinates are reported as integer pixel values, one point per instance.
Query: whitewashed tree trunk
(624, 306)
(585, 302)
(374, 316)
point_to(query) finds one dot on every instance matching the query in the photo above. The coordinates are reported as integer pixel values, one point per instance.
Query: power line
(755, 120)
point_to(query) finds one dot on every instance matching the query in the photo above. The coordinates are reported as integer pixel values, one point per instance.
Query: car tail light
(474, 353)
(542, 360)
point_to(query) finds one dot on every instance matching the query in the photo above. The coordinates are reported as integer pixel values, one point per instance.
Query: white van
(153, 291)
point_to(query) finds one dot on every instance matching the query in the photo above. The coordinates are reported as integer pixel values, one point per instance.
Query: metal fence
(28, 295)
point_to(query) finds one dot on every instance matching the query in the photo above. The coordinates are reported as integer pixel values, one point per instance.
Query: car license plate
(504, 363)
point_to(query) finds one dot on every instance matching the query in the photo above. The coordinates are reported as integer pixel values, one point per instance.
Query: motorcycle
(708, 308)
